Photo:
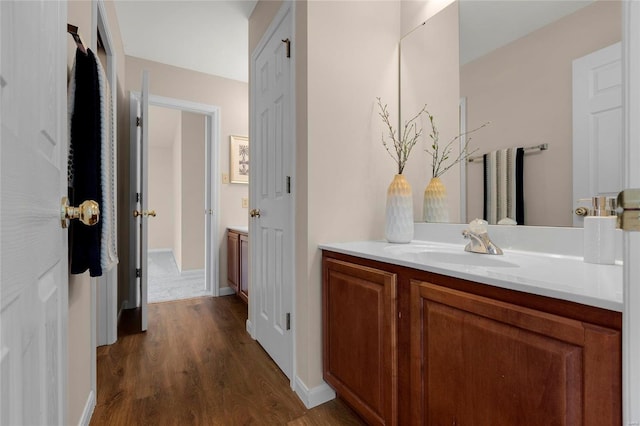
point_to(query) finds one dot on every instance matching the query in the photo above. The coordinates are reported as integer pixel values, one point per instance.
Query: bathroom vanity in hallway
(238, 261)
(430, 345)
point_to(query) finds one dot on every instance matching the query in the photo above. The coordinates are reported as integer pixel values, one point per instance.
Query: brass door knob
(144, 213)
(88, 212)
(254, 213)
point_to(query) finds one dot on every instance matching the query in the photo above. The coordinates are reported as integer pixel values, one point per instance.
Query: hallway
(166, 283)
(196, 364)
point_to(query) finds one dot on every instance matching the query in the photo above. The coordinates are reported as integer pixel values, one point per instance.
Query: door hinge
(288, 43)
(138, 273)
(288, 321)
(138, 197)
(288, 184)
(138, 121)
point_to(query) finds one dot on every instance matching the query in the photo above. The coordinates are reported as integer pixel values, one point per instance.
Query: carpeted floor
(166, 283)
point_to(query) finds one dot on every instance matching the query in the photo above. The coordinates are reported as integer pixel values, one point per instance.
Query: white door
(139, 202)
(33, 175)
(631, 314)
(597, 126)
(272, 231)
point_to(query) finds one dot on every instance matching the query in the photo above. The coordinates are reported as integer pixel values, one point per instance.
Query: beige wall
(179, 168)
(161, 197)
(231, 97)
(193, 180)
(79, 332)
(439, 88)
(177, 193)
(524, 89)
(340, 69)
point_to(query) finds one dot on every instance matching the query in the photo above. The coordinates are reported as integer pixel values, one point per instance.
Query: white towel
(503, 185)
(109, 240)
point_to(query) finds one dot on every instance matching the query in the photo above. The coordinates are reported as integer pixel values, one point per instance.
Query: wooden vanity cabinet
(244, 268)
(238, 263)
(465, 353)
(359, 336)
(233, 269)
(475, 360)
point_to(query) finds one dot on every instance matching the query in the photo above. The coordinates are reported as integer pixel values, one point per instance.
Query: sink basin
(422, 248)
(469, 259)
(447, 253)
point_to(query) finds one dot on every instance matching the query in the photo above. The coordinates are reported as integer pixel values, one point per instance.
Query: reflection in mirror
(516, 70)
(427, 57)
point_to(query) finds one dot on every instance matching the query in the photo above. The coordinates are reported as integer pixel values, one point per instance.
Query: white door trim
(212, 186)
(287, 10)
(106, 324)
(631, 292)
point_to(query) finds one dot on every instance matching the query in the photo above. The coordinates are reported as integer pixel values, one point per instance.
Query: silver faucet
(480, 243)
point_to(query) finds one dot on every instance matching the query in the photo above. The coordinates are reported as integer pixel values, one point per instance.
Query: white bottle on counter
(599, 232)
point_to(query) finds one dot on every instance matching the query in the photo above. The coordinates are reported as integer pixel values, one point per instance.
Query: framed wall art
(239, 162)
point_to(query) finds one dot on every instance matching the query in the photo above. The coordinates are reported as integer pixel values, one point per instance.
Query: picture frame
(239, 159)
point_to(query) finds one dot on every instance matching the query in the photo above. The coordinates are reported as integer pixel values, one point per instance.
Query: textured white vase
(399, 215)
(435, 208)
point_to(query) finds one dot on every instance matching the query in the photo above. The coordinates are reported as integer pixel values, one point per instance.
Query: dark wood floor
(197, 365)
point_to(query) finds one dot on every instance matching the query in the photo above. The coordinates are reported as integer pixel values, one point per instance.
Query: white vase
(435, 208)
(399, 214)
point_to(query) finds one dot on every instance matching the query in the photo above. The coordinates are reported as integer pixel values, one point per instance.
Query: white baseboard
(160, 250)
(226, 291)
(249, 327)
(313, 397)
(88, 410)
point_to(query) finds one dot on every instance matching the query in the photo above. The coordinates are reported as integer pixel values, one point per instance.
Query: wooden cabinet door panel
(478, 361)
(244, 268)
(360, 338)
(232, 260)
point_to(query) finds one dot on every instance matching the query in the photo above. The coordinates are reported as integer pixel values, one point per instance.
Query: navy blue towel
(85, 168)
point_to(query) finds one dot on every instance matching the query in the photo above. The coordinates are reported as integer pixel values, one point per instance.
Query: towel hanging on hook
(73, 30)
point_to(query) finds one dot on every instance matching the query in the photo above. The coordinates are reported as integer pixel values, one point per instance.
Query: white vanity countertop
(559, 276)
(243, 229)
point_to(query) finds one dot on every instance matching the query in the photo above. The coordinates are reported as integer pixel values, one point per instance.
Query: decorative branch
(402, 146)
(439, 164)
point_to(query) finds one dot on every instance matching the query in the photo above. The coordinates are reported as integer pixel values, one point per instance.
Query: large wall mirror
(542, 72)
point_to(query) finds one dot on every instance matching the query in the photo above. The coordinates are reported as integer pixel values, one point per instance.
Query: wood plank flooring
(197, 365)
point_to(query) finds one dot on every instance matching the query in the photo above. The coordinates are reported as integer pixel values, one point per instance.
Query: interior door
(140, 162)
(597, 126)
(271, 224)
(33, 179)
(631, 314)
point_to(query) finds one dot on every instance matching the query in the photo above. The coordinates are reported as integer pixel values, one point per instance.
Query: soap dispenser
(599, 232)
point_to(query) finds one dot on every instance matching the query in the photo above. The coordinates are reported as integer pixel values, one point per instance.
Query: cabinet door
(359, 333)
(479, 361)
(233, 267)
(244, 268)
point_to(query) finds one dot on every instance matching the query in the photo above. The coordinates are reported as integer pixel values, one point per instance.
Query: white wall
(193, 186)
(161, 197)
(177, 195)
(427, 78)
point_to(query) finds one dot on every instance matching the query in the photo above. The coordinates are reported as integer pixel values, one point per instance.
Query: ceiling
(209, 36)
(486, 25)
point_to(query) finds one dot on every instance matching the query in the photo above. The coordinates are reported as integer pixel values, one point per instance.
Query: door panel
(272, 230)
(597, 125)
(139, 229)
(34, 271)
